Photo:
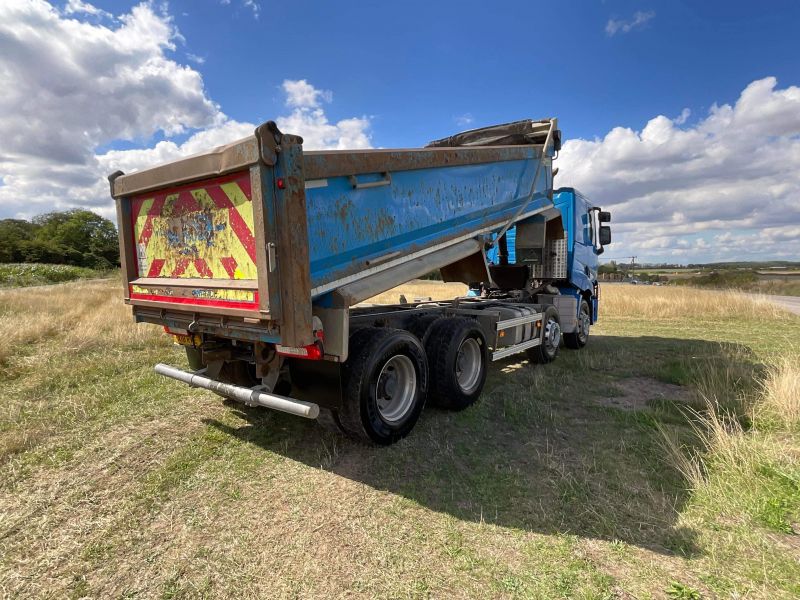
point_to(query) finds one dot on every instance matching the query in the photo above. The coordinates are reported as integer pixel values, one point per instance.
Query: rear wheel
(458, 357)
(385, 382)
(578, 338)
(547, 350)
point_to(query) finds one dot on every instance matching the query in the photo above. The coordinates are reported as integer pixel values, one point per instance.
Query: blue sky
(418, 66)
(682, 117)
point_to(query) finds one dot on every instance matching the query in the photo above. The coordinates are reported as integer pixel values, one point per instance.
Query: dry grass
(620, 300)
(780, 393)
(118, 483)
(423, 289)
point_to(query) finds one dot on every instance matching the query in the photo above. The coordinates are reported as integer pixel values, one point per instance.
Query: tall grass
(746, 471)
(618, 300)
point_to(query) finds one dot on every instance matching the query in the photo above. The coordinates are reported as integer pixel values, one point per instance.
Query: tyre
(458, 358)
(384, 385)
(421, 326)
(551, 338)
(329, 419)
(580, 336)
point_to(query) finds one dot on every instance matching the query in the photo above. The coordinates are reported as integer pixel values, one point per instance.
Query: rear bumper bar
(249, 396)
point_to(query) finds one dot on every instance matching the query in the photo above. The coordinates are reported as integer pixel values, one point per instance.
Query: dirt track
(790, 303)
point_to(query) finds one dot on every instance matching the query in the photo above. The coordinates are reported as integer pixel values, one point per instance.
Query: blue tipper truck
(258, 257)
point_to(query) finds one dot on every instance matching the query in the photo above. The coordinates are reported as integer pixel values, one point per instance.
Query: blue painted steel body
(351, 229)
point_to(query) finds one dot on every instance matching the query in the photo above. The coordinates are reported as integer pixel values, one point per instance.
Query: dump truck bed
(260, 235)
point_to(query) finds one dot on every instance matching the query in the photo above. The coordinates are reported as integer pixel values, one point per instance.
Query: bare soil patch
(636, 393)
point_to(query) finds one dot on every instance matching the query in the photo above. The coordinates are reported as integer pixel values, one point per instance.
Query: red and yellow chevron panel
(202, 230)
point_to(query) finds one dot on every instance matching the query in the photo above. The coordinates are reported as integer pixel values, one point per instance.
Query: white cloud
(72, 88)
(639, 19)
(309, 120)
(672, 189)
(301, 94)
(78, 6)
(252, 5)
(464, 120)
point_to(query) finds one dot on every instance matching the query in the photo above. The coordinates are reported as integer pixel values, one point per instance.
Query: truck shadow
(543, 450)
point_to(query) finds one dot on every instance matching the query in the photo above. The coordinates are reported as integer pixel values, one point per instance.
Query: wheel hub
(468, 365)
(552, 334)
(396, 388)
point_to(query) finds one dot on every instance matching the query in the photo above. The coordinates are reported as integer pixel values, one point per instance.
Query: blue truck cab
(582, 226)
(584, 233)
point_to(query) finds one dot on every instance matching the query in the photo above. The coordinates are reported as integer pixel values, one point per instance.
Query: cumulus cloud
(309, 120)
(727, 187)
(74, 88)
(639, 19)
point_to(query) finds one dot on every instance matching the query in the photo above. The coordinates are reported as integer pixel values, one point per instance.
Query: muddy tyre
(458, 359)
(547, 350)
(421, 326)
(384, 384)
(578, 338)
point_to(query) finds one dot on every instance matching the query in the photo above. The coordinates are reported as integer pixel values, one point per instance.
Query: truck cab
(569, 263)
(587, 235)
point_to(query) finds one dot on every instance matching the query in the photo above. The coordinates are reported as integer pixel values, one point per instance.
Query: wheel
(551, 338)
(384, 384)
(580, 336)
(329, 419)
(458, 358)
(421, 326)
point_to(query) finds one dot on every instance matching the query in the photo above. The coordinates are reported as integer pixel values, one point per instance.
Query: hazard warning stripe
(238, 224)
(231, 194)
(155, 267)
(154, 211)
(229, 264)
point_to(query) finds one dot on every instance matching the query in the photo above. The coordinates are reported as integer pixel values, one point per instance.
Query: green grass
(119, 483)
(27, 274)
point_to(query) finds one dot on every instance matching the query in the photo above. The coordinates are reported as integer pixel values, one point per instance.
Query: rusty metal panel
(213, 163)
(292, 243)
(320, 164)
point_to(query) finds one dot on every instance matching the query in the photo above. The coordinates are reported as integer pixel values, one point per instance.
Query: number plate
(187, 340)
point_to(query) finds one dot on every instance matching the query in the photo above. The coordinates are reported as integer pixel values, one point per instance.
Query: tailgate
(195, 244)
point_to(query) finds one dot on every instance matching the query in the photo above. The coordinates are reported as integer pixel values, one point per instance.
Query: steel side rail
(242, 394)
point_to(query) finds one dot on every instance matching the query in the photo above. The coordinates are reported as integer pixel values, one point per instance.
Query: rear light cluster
(311, 352)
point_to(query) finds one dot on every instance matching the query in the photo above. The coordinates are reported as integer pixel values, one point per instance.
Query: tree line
(73, 237)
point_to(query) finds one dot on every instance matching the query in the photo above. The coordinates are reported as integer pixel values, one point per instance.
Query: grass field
(663, 460)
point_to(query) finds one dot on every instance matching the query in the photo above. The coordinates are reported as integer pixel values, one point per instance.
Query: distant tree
(12, 233)
(75, 237)
(90, 235)
(609, 267)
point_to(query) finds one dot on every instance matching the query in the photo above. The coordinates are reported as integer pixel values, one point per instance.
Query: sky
(680, 117)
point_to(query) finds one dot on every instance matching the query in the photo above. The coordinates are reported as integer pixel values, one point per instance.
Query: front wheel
(547, 350)
(578, 338)
(385, 382)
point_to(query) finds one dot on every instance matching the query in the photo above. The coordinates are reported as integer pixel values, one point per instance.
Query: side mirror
(605, 234)
(604, 216)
